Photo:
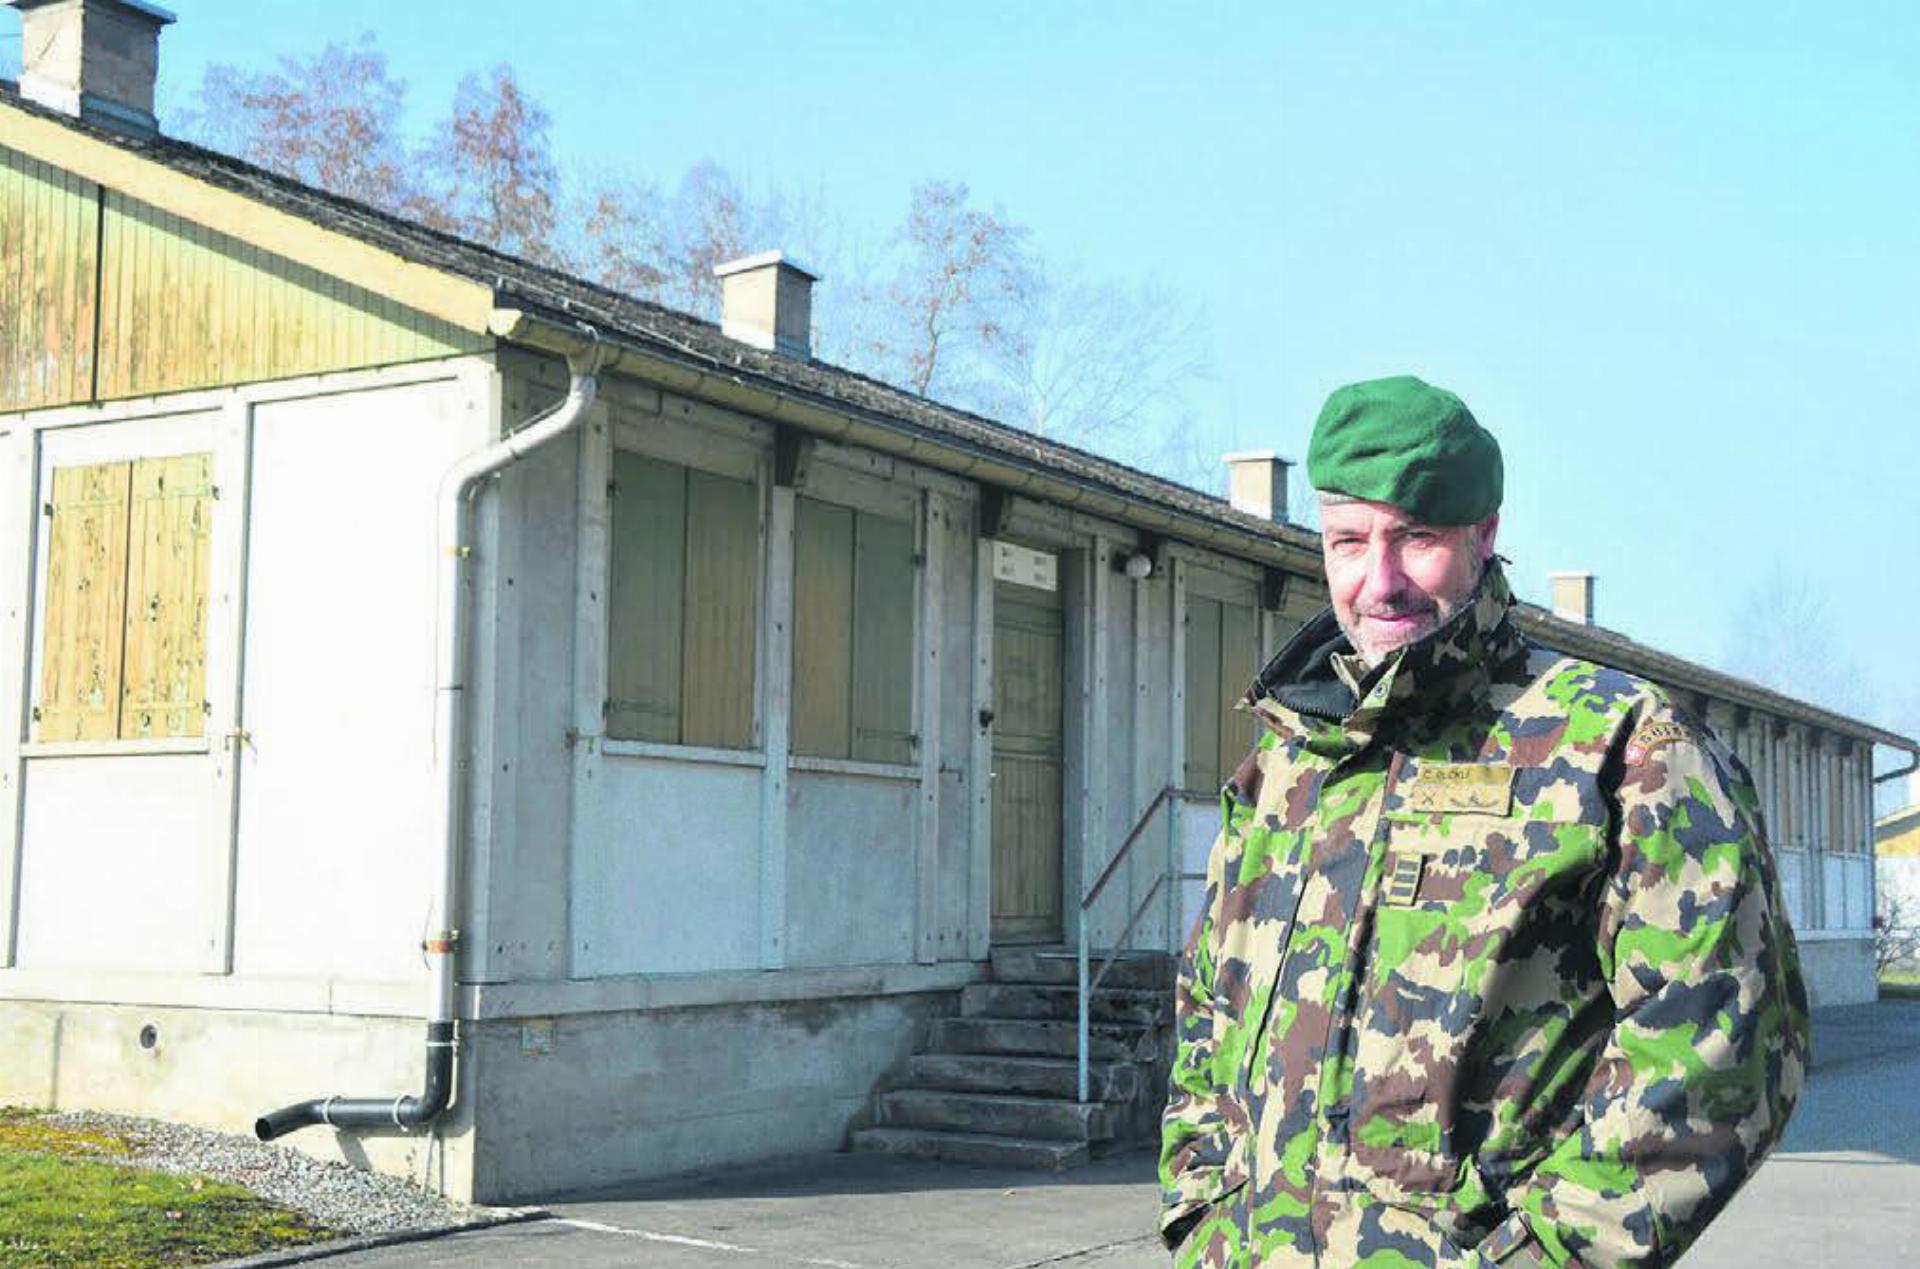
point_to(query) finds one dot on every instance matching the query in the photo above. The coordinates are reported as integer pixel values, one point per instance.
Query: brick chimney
(94, 59)
(767, 301)
(1257, 483)
(1573, 596)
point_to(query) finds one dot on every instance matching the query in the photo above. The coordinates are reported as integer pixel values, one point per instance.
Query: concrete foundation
(222, 1069)
(1839, 971)
(562, 1104)
(591, 1100)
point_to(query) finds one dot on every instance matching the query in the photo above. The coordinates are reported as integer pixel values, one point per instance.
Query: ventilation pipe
(457, 490)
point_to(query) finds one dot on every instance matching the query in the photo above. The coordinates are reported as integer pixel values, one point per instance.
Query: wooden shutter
(84, 624)
(1203, 694)
(884, 601)
(822, 629)
(169, 546)
(723, 556)
(1239, 649)
(645, 598)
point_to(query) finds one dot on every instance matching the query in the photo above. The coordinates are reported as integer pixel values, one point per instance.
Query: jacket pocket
(1443, 981)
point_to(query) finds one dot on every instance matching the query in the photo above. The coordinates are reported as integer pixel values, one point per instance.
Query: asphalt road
(1843, 1192)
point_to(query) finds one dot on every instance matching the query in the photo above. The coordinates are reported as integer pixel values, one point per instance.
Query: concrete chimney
(767, 301)
(94, 59)
(1257, 483)
(1573, 596)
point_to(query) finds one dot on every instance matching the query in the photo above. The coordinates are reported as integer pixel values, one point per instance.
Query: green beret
(1408, 444)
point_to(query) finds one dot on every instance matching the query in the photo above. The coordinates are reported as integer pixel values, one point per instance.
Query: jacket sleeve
(1194, 1137)
(1709, 1043)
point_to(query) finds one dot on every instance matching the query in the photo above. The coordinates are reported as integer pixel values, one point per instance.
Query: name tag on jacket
(1446, 788)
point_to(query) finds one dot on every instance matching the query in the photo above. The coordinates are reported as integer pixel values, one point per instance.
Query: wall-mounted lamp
(1138, 566)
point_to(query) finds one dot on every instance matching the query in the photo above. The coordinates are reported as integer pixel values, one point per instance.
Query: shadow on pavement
(827, 1175)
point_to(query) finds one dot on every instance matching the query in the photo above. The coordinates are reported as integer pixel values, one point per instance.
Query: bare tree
(963, 276)
(1896, 934)
(330, 120)
(490, 176)
(622, 238)
(1090, 359)
(1785, 638)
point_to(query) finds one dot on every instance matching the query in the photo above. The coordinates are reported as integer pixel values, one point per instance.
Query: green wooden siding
(180, 306)
(49, 232)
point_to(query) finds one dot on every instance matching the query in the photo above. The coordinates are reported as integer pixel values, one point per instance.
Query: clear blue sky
(1669, 253)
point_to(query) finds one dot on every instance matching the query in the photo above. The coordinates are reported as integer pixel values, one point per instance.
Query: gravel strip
(336, 1195)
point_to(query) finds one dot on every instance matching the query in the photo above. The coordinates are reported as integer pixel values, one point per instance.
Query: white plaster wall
(666, 872)
(337, 846)
(119, 860)
(850, 869)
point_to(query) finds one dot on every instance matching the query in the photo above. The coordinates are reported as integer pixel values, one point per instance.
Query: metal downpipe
(457, 490)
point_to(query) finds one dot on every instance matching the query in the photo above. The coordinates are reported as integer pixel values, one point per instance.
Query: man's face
(1393, 579)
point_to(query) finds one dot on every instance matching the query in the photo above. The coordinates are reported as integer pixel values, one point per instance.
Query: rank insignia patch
(1403, 879)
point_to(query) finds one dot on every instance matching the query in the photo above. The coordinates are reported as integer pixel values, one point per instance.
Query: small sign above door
(1024, 566)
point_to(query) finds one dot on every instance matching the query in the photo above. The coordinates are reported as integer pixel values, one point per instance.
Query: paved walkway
(1843, 1192)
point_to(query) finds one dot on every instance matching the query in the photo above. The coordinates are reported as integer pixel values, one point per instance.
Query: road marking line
(684, 1240)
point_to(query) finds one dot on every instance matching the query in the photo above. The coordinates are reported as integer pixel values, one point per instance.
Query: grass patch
(1900, 987)
(70, 1198)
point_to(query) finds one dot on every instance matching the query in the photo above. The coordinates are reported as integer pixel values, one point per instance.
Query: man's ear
(1489, 529)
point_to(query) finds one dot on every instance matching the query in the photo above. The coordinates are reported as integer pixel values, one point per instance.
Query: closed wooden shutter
(822, 629)
(1202, 760)
(84, 624)
(645, 598)
(170, 537)
(1239, 650)
(884, 603)
(722, 611)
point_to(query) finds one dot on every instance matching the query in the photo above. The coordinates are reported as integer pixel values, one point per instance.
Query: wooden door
(1028, 676)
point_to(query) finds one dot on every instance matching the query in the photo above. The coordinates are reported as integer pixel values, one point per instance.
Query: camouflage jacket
(1492, 970)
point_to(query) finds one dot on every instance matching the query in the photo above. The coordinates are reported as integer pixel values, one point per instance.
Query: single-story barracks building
(427, 673)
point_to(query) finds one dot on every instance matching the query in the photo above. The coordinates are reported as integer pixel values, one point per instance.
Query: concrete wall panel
(850, 869)
(666, 873)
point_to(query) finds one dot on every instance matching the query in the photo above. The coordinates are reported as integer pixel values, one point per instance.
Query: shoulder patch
(1650, 736)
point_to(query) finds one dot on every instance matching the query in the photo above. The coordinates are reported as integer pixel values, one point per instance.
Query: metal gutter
(841, 422)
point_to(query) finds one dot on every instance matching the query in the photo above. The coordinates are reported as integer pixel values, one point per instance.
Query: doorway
(1028, 679)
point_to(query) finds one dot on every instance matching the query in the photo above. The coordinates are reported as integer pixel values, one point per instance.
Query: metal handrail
(1163, 797)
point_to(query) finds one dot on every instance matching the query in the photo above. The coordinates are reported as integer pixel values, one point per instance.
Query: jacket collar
(1417, 688)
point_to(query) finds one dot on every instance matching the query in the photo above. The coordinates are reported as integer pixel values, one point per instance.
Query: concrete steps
(1133, 1006)
(997, 1085)
(980, 1150)
(1000, 1114)
(1034, 1076)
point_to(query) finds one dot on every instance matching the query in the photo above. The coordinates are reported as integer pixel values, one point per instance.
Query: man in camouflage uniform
(1493, 967)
